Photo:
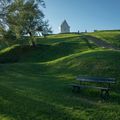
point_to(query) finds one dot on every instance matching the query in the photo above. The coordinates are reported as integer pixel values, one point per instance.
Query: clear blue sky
(83, 14)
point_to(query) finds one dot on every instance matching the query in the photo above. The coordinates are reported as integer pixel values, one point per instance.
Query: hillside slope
(112, 37)
(48, 49)
(36, 86)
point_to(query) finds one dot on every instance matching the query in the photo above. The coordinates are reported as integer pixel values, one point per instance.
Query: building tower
(65, 28)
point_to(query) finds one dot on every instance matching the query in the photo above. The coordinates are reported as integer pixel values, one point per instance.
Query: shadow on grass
(41, 53)
(40, 97)
(22, 107)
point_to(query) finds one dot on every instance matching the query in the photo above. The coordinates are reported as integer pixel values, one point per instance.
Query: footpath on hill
(99, 42)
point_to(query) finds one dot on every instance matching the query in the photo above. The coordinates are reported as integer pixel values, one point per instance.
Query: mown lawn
(35, 89)
(112, 37)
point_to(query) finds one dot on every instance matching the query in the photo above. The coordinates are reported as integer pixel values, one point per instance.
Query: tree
(5, 34)
(46, 29)
(24, 17)
(4, 4)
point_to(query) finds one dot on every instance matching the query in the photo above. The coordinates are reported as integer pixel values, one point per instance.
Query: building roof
(65, 23)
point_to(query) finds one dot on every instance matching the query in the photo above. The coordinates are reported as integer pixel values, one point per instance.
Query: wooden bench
(94, 80)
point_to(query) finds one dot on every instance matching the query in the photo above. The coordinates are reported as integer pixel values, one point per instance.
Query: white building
(65, 28)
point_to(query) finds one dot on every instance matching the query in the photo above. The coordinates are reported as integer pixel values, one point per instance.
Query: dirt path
(100, 42)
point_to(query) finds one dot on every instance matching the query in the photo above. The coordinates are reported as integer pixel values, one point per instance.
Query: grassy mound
(37, 86)
(59, 47)
(92, 62)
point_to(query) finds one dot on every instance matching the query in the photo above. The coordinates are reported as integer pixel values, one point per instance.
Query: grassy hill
(34, 82)
(53, 47)
(112, 37)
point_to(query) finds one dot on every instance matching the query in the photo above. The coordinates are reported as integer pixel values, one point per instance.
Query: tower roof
(65, 23)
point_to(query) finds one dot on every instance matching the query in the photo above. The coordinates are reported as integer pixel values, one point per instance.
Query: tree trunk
(32, 40)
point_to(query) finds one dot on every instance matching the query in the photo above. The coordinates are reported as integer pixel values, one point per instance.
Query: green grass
(36, 87)
(58, 38)
(48, 49)
(112, 37)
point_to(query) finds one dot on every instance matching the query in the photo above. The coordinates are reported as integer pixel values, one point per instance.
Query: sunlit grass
(63, 36)
(112, 37)
(36, 87)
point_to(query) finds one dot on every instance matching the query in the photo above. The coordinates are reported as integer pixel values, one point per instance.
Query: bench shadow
(93, 95)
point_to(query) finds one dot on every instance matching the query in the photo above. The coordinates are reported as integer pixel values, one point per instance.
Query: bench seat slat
(85, 86)
(102, 80)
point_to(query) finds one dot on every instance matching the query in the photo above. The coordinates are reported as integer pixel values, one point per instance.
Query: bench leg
(101, 94)
(76, 89)
(105, 93)
(73, 89)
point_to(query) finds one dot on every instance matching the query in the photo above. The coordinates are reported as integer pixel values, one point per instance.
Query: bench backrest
(96, 79)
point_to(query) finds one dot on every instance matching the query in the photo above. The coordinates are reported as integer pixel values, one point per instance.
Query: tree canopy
(23, 17)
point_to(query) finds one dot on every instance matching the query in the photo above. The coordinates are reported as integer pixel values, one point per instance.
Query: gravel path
(100, 42)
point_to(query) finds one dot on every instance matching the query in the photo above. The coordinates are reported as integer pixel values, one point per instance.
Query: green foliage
(9, 37)
(24, 17)
(37, 87)
(46, 29)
